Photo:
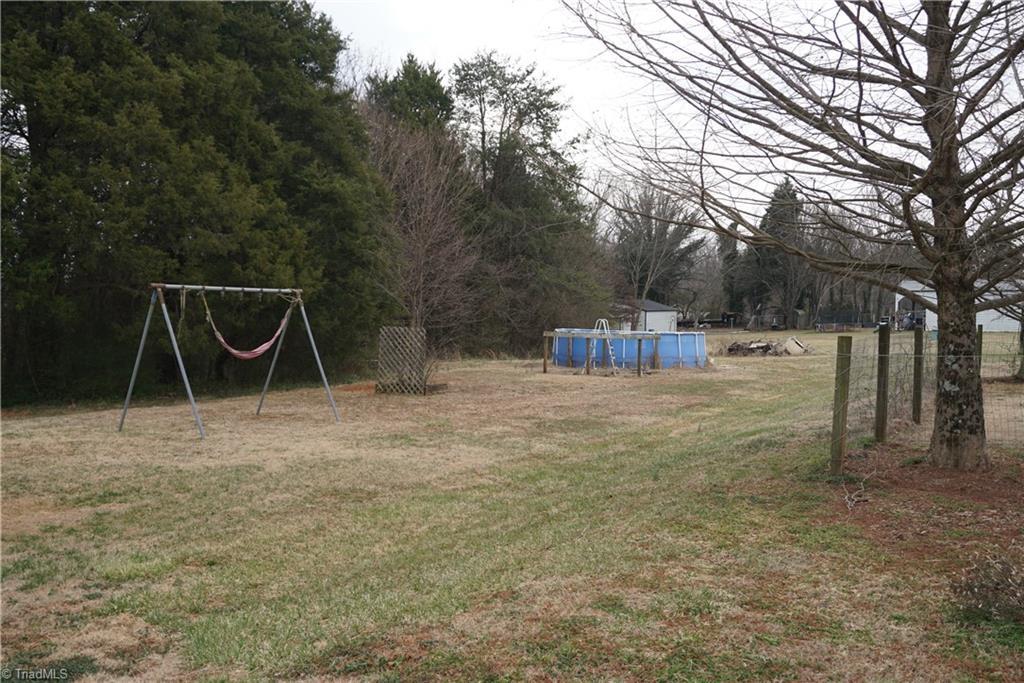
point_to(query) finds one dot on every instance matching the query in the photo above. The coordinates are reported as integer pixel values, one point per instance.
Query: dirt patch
(929, 513)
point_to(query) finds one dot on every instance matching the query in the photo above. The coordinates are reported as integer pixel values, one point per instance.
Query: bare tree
(700, 293)
(906, 123)
(653, 243)
(430, 258)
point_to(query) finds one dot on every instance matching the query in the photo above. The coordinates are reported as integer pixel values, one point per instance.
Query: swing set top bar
(222, 288)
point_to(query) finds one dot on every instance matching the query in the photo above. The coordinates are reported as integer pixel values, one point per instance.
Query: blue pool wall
(675, 350)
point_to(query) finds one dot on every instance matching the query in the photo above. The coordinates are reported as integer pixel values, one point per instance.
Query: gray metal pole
(181, 365)
(273, 361)
(223, 288)
(138, 360)
(316, 354)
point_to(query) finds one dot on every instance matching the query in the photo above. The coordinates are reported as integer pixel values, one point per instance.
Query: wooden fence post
(639, 357)
(981, 335)
(978, 346)
(882, 386)
(544, 343)
(568, 356)
(918, 373)
(840, 405)
(586, 363)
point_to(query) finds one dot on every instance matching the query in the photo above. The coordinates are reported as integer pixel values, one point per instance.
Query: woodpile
(790, 347)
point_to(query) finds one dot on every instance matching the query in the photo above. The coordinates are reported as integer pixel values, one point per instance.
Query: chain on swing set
(293, 296)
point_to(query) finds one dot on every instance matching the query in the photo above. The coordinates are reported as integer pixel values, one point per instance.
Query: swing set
(292, 296)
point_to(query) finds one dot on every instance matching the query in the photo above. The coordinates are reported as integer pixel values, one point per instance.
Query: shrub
(992, 585)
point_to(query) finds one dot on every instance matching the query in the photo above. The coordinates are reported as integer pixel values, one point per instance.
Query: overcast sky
(446, 31)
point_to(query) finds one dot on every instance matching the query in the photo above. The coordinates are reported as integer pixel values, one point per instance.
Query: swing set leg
(138, 361)
(273, 361)
(319, 365)
(181, 366)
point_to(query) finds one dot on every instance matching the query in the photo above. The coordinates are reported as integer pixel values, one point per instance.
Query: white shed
(653, 317)
(991, 320)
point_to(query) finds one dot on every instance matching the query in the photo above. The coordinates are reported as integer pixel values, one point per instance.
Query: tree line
(661, 254)
(214, 143)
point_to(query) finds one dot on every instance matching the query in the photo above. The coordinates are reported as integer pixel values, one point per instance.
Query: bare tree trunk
(1020, 352)
(958, 435)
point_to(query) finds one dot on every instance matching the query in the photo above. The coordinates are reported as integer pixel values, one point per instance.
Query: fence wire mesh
(999, 362)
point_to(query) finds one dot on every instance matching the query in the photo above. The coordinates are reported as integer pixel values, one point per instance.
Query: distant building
(650, 316)
(909, 311)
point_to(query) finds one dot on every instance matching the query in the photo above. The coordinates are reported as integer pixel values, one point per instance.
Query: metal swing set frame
(157, 295)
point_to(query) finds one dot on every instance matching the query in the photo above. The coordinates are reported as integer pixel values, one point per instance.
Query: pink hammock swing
(252, 353)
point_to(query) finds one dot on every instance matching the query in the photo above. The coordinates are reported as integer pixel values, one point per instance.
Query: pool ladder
(601, 326)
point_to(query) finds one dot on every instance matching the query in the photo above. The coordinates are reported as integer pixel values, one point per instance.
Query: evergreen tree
(414, 95)
(541, 260)
(193, 142)
(768, 275)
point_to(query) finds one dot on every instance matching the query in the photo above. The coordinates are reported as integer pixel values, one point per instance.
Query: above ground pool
(675, 349)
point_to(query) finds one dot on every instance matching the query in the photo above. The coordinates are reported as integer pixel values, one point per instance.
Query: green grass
(691, 544)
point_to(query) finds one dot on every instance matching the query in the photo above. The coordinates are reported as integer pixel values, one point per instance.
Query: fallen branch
(858, 496)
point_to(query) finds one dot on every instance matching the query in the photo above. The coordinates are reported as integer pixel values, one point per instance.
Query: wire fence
(1003, 398)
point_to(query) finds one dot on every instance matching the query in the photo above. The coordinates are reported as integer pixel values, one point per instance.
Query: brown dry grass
(522, 525)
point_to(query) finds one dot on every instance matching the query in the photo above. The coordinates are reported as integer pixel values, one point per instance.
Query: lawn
(520, 525)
